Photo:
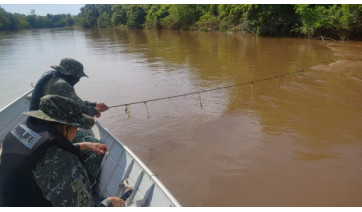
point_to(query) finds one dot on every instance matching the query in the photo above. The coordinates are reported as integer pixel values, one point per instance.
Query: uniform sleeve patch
(25, 135)
(77, 185)
(83, 199)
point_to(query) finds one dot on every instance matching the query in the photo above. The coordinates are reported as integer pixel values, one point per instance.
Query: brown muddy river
(289, 141)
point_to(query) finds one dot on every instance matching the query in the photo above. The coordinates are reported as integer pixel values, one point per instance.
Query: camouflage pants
(92, 160)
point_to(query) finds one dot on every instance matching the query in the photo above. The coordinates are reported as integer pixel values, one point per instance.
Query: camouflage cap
(62, 110)
(69, 66)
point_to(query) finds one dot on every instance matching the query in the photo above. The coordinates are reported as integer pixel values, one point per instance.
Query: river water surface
(290, 141)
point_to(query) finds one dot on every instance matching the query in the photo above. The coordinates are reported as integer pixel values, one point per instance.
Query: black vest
(43, 85)
(20, 154)
(38, 89)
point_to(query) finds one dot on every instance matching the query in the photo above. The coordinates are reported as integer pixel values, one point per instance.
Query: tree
(347, 20)
(4, 20)
(269, 19)
(119, 16)
(340, 21)
(155, 15)
(104, 20)
(88, 16)
(209, 19)
(135, 16)
(182, 16)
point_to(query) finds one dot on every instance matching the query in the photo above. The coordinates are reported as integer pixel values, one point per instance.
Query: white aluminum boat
(120, 168)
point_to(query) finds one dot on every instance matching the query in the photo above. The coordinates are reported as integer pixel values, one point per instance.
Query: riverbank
(337, 21)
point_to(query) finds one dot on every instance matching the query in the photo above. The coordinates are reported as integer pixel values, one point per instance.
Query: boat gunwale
(7, 107)
(144, 167)
(22, 96)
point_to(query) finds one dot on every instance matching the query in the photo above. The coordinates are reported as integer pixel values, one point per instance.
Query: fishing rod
(282, 77)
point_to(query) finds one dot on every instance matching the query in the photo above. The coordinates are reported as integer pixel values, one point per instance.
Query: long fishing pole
(282, 76)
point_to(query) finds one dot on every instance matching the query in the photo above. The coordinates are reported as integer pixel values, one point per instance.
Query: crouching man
(39, 164)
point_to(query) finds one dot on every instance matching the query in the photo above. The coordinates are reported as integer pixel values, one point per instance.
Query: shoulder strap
(38, 91)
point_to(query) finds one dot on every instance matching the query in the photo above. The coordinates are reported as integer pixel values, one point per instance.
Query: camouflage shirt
(63, 180)
(56, 85)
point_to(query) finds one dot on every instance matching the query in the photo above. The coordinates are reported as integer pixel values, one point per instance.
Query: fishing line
(93, 155)
(325, 43)
(281, 77)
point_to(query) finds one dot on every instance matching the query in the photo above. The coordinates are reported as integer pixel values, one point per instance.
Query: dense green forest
(9, 21)
(338, 21)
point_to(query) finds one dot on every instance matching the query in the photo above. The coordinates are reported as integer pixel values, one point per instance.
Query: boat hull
(120, 168)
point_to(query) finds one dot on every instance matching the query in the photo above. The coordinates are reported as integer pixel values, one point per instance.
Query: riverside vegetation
(337, 21)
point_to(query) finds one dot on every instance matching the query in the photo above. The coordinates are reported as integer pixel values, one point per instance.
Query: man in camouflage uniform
(61, 82)
(41, 167)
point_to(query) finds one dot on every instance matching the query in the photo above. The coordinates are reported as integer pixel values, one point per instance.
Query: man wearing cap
(61, 81)
(41, 167)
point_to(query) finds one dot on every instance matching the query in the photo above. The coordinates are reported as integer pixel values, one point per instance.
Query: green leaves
(9, 21)
(333, 20)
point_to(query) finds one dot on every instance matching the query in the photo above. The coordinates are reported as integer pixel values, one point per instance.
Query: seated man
(61, 81)
(41, 167)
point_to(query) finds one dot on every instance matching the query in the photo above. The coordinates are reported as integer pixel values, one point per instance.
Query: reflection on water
(283, 142)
